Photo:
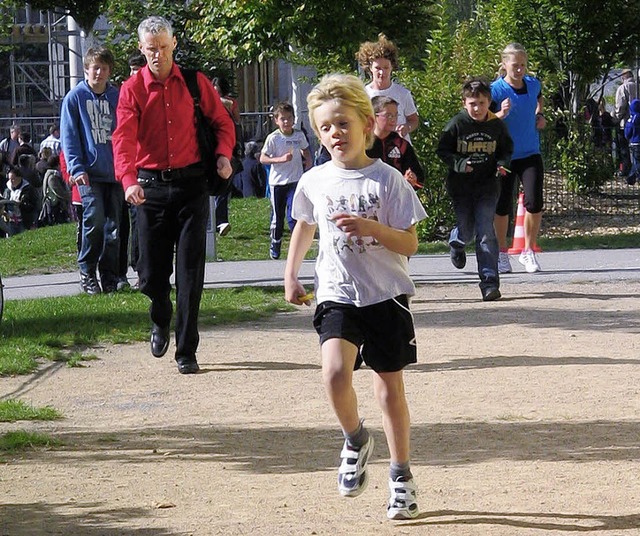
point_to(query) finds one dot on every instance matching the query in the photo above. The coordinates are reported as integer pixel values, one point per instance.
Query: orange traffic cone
(518, 232)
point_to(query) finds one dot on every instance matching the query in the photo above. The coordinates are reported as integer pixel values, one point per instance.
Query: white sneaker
(504, 264)
(352, 473)
(528, 260)
(224, 228)
(402, 503)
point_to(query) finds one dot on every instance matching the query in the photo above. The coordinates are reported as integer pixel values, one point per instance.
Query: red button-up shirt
(156, 124)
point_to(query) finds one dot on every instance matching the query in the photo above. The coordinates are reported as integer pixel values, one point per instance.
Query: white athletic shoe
(504, 264)
(402, 502)
(352, 473)
(528, 260)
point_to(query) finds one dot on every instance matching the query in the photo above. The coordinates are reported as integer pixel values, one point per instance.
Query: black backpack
(207, 140)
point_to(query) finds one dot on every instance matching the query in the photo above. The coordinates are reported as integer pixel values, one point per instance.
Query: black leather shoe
(490, 294)
(458, 258)
(188, 367)
(159, 340)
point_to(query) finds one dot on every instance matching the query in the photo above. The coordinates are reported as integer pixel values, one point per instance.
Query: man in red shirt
(159, 165)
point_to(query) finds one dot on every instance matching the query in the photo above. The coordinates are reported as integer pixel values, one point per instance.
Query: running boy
(287, 151)
(366, 214)
(476, 146)
(389, 146)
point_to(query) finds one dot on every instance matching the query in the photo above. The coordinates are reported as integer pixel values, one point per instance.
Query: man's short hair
(54, 128)
(476, 86)
(154, 25)
(101, 54)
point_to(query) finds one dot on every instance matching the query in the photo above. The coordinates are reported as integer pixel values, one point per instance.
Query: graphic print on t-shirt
(358, 204)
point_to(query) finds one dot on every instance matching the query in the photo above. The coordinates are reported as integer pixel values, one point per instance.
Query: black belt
(171, 175)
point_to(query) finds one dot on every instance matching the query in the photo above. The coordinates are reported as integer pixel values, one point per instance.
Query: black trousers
(174, 218)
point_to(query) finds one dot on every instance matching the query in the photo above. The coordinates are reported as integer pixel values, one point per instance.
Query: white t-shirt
(357, 271)
(277, 144)
(402, 96)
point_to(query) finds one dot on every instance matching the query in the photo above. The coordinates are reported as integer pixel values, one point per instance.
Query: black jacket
(482, 145)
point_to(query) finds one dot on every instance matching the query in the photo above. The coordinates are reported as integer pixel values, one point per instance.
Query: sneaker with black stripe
(352, 473)
(402, 502)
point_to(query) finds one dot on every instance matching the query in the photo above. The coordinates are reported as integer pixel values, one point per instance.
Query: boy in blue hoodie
(87, 121)
(476, 146)
(632, 134)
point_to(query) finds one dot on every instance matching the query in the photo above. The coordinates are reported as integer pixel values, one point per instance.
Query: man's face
(98, 74)
(158, 50)
(14, 133)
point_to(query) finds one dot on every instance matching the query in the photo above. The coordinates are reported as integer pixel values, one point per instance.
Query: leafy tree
(571, 42)
(324, 33)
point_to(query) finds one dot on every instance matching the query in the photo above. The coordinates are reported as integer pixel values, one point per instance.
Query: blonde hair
(370, 51)
(511, 50)
(349, 91)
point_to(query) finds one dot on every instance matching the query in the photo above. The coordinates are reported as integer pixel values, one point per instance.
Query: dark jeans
(128, 239)
(174, 217)
(474, 215)
(623, 152)
(281, 200)
(222, 208)
(634, 174)
(101, 212)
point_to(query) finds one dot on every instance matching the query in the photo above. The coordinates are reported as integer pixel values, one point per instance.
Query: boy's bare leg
(389, 391)
(532, 224)
(338, 358)
(501, 225)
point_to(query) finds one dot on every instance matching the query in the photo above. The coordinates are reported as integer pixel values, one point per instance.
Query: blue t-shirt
(521, 120)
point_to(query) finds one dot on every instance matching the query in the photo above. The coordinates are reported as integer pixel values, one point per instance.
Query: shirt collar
(149, 79)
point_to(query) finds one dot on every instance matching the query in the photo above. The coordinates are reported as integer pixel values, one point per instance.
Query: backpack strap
(191, 79)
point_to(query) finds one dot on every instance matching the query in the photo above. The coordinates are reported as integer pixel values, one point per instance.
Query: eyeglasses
(388, 116)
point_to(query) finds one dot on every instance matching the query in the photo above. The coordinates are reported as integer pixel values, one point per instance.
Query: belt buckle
(166, 175)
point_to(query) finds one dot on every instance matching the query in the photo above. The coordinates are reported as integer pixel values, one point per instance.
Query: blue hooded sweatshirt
(632, 126)
(87, 122)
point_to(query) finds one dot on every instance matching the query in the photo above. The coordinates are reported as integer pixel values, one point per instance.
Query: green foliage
(12, 442)
(584, 167)
(17, 410)
(310, 32)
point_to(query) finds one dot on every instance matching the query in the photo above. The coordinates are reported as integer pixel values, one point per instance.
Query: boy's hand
(287, 157)
(503, 171)
(294, 291)
(351, 225)
(505, 107)
(541, 121)
(468, 169)
(412, 178)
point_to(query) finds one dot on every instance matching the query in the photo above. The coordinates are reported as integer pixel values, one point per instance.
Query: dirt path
(526, 420)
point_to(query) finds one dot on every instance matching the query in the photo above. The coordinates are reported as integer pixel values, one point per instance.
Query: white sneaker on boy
(352, 473)
(402, 502)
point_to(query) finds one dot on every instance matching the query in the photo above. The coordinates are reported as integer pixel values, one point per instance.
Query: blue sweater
(521, 120)
(87, 122)
(632, 126)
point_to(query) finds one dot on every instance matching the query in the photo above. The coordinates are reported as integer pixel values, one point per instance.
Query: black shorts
(383, 332)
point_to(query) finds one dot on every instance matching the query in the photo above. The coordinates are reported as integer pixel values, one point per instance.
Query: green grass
(16, 410)
(12, 442)
(66, 328)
